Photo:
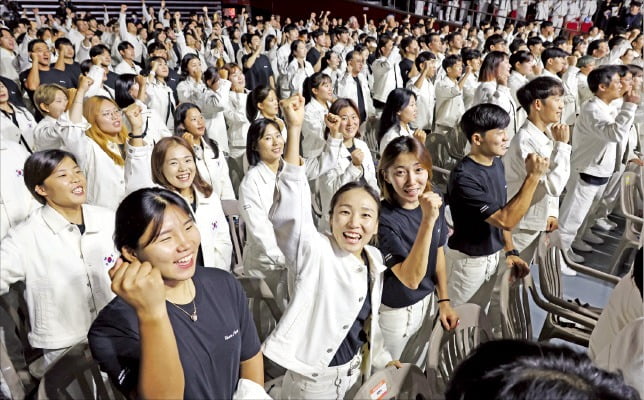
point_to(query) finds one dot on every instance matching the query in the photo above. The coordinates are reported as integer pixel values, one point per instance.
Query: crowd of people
(123, 137)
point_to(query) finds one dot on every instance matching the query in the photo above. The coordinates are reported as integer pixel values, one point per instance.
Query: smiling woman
(175, 330)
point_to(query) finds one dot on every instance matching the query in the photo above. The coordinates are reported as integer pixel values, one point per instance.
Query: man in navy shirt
(483, 218)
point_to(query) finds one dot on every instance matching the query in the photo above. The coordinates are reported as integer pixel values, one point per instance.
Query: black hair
(294, 45)
(154, 46)
(184, 64)
(601, 75)
(552, 52)
(289, 28)
(422, 57)
(258, 95)
(180, 114)
(482, 118)
(397, 100)
(516, 44)
(41, 31)
(559, 41)
(98, 50)
(122, 86)
(594, 45)
(468, 53)
(493, 40)
(383, 40)
(451, 60)
(255, 133)
(316, 34)
(313, 82)
(39, 166)
(539, 88)
(85, 66)
(143, 208)
(32, 43)
(210, 76)
(490, 65)
(520, 57)
(405, 42)
(534, 40)
(124, 45)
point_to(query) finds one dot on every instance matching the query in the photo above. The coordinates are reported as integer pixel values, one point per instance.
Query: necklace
(192, 316)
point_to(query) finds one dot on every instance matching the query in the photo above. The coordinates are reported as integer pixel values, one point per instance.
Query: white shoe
(580, 245)
(574, 257)
(605, 224)
(592, 238)
(566, 270)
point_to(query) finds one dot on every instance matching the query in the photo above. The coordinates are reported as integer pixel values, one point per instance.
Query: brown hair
(46, 94)
(400, 145)
(91, 107)
(158, 159)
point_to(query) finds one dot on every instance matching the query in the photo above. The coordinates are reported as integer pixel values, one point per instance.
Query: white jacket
(65, 273)
(212, 104)
(329, 291)
(235, 116)
(47, 134)
(343, 173)
(426, 101)
(153, 125)
(296, 75)
(386, 75)
(161, 99)
(596, 135)
(16, 203)
(214, 170)
(346, 87)
(24, 130)
(492, 92)
(449, 103)
(393, 133)
(570, 98)
(313, 128)
(545, 202)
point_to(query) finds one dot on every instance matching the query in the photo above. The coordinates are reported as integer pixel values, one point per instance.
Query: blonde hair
(46, 94)
(91, 110)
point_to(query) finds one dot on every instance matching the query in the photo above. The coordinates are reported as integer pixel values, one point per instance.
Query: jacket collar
(536, 134)
(266, 173)
(375, 261)
(56, 222)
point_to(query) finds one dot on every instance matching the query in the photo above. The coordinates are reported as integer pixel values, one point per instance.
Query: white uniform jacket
(449, 103)
(426, 101)
(47, 134)
(214, 170)
(545, 202)
(313, 128)
(153, 125)
(212, 104)
(296, 75)
(161, 99)
(345, 172)
(22, 133)
(346, 87)
(106, 180)
(329, 290)
(596, 136)
(492, 92)
(65, 273)
(570, 99)
(16, 203)
(515, 82)
(235, 116)
(189, 90)
(386, 75)
(393, 132)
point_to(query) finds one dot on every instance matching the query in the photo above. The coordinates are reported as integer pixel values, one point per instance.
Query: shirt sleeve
(250, 345)
(474, 197)
(391, 246)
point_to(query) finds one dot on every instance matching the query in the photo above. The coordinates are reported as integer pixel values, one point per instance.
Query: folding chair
(631, 203)
(407, 382)
(237, 233)
(448, 348)
(9, 375)
(76, 375)
(515, 308)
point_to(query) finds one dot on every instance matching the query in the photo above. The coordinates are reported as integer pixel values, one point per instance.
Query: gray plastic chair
(237, 229)
(631, 203)
(515, 308)
(407, 382)
(448, 348)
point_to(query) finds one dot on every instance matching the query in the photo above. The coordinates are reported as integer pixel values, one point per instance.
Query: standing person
(159, 95)
(298, 68)
(554, 63)
(17, 123)
(399, 113)
(41, 72)
(237, 122)
(321, 337)
(318, 94)
(257, 67)
(60, 253)
(354, 86)
(386, 71)
(174, 330)
(8, 58)
(449, 94)
(598, 132)
(412, 232)
(483, 218)
(410, 50)
(544, 135)
(424, 89)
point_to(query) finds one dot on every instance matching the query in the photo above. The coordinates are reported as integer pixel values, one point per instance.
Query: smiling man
(541, 134)
(483, 218)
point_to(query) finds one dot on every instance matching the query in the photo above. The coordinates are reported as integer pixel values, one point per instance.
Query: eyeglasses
(111, 114)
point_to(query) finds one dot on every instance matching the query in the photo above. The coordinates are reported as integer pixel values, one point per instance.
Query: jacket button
(345, 327)
(361, 299)
(329, 350)
(314, 374)
(71, 228)
(360, 269)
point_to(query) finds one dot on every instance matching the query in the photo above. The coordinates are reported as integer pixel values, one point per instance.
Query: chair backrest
(448, 348)
(407, 382)
(370, 131)
(631, 199)
(9, 375)
(13, 304)
(266, 312)
(75, 375)
(515, 308)
(237, 232)
(549, 269)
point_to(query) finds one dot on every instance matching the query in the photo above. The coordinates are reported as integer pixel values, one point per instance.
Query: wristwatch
(513, 252)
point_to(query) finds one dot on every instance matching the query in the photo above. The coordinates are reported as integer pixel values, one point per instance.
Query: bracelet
(141, 136)
(442, 300)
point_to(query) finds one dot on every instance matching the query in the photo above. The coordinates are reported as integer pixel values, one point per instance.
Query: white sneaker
(605, 224)
(566, 270)
(574, 257)
(580, 245)
(592, 238)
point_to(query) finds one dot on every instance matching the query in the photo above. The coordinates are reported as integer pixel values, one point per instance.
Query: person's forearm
(161, 373)
(508, 244)
(33, 79)
(76, 110)
(412, 271)
(441, 275)
(251, 60)
(292, 153)
(515, 209)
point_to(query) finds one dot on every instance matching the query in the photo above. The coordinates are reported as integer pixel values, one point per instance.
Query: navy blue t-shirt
(259, 73)
(475, 192)
(397, 231)
(210, 348)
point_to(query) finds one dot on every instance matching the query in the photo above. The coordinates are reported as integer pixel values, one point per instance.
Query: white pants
(332, 383)
(611, 194)
(452, 10)
(482, 8)
(501, 15)
(51, 355)
(405, 330)
(525, 241)
(420, 7)
(557, 22)
(470, 279)
(575, 207)
(465, 9)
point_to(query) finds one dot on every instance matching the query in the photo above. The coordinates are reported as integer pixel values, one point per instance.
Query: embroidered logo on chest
(109, 260)
(19, 172)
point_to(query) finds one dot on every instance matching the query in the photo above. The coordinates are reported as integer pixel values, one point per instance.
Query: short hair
(350, 55)
(124, 45)
(520, 57)
(516, 44)
(316, 34)
(39, 166)
(559, 41)
(601, 76)
(493, 40)
(584, 61)
(534, 40)
(32, 43)
(552, 52)
(482, 118)
(615, 41)
(289, 28)
(405, 42)
(46, 94)
(539, 88)
(98, 50)
(422, 57)
(468, 53)
(335, 108)
(383, 40)
(451, 60)
(255, 133)
(594, 45)
(546, 24)
(154, 46)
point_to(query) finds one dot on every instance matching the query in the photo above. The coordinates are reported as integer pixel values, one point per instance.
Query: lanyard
(14, 120)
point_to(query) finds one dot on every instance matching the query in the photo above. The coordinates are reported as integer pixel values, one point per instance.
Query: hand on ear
(128, 254)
